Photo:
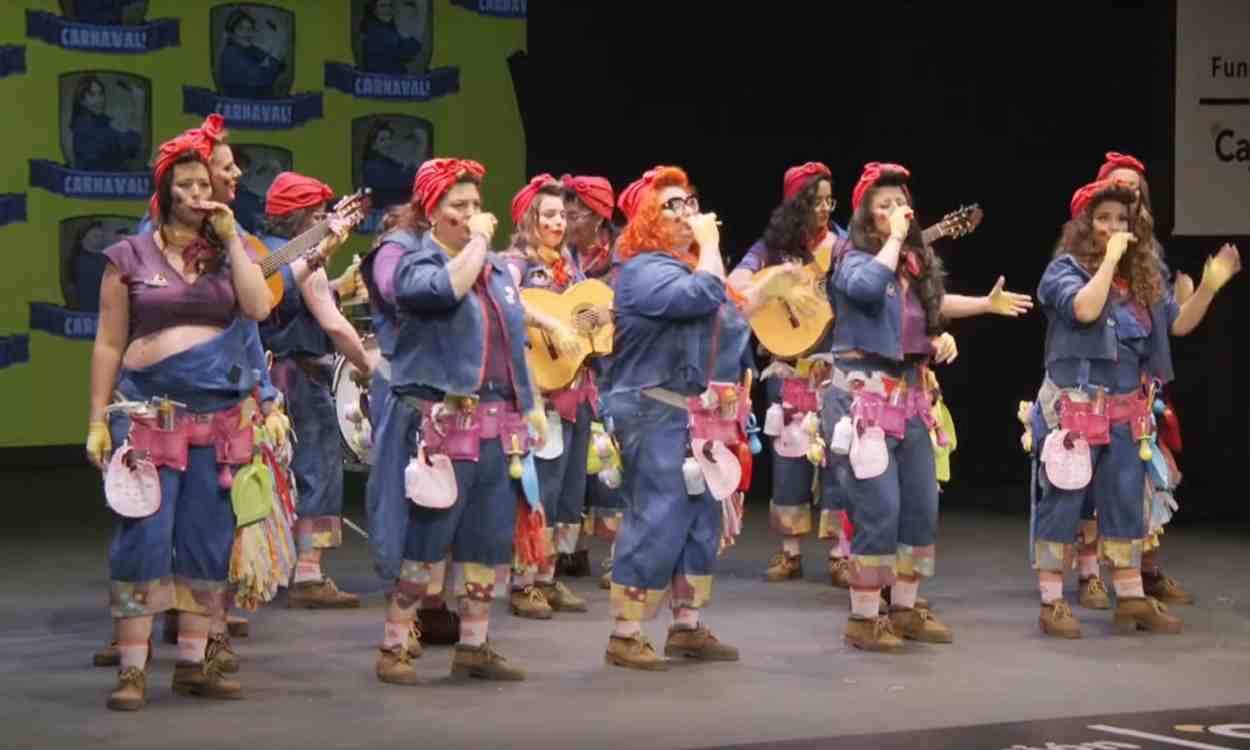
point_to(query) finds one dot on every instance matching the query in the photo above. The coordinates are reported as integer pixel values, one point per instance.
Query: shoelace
(1096, 586)
(534, 595)
(131, 676)
(884, 626)
(1061, 610)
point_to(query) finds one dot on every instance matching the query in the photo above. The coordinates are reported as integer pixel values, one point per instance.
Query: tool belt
(456, 426)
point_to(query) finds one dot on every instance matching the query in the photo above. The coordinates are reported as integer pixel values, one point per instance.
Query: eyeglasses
(830, 202)
(690, 202)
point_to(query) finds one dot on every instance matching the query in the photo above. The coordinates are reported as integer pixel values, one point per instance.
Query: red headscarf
(797, 177)
(291, 191)
(629, 198)
(436, 176)
(873, 171)
(1120, 161)
(1086, 193)
(202, 140)
(595, 192)
(525, 196)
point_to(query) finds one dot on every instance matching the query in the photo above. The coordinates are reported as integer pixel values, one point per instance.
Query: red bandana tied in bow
(1115, 160)
(525, 196)
(796, 177)
(198, 254)
(873, 171)
(1084, 194)
(436, 176)
(291, 191)
(191, 140)
(631, 196)
(595, 192)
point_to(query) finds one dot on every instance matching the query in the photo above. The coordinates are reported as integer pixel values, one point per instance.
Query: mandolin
(786, 334)
(586, 307)
(351, 209)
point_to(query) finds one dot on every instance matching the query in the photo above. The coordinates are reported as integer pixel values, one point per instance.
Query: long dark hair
(1141, 264)
(84, 84)
(789, 235)
(165, 205)
(930, 285)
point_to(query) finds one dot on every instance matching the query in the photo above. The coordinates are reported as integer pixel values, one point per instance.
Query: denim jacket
(867, 305)
(384, 316)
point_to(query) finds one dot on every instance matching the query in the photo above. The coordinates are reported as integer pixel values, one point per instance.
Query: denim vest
(867, 305)
(291, 329)
(441, 342)
(664, 315)
(1069, 339)
(384, 316)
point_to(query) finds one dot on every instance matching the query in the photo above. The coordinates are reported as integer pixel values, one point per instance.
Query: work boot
(1057, 620)
(529, 602)
(484, 663)
(1144, 613)
(1165, 588)
(634, 652)
(205, 680)
(321, 594)
(414, 648)
(840, 572)
(1094, 594)
(237, 627)
(131, 691)
(783, 567)
(920, 625)
(875, 634)
(395, 666)
(560, 598)
(108, 656)
(697, 643)
(227, 659)
(576, 565)
(438, 626)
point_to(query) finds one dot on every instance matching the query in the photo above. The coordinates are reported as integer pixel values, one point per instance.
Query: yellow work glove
(99, 444)
(277, 425)
(537, 418)
(1220, 267)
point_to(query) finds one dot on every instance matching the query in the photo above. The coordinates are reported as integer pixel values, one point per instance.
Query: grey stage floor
(310, 684)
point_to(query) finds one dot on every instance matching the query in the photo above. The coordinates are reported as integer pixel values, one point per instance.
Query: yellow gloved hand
(1022, 414)
(277, 425)
(944, 349)
(99, 444)
(537, 418)
(1010, 304)
(1220, 267)
(780, 280)
(802, 300)
(566, 341)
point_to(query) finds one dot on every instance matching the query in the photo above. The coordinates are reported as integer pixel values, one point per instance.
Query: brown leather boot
(1094, 594)
(576, 565)
(872, 635)
(1057, 620)
(395, 666)
(920, 625)
(205, 680)
(634, 652)
(227, 659)
(438, 626)
(131, 691)
(237, 627)
(484, 663)
(840, 572)
(697, 643)
(529, 602)
(321, 594)
(108, 656)
(560, 598)
(1145, 613)
(1165, 588)
(783, 567)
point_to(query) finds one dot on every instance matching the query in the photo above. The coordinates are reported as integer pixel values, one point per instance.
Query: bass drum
(351, 406)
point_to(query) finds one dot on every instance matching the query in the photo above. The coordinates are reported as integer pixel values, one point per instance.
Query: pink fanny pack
(798, 395)
(720, 419)
(233, 444)
(458, 435)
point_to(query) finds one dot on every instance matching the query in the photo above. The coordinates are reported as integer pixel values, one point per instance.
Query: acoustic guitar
(586, 307)
(351, 209)
(786, 334)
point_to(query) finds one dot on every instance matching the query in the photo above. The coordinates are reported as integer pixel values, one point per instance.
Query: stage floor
(309, 679)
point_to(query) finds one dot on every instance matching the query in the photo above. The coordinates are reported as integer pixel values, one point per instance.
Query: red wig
(645, 232)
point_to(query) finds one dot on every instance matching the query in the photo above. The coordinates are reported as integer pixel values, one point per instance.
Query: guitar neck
(932, 233)
(301, 244)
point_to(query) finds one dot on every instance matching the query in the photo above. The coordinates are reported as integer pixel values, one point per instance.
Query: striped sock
(686, 617)
(474, 617)
(1050, 584)
(134, 654)
(191, 647)
(396, 634)
(307, 570)
(865, 603)
(627, 628)
(903, 593)
(1087, 564)
(790, 545)
(1128, 584)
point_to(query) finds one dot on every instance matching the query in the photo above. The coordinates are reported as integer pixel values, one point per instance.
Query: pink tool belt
(721, 416)
(1094, 424)
(798, 396)
(220, 429)
(891, 415)
(458, 434)
(567, 400)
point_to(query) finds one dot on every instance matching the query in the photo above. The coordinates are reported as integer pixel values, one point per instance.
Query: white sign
(1212, 117)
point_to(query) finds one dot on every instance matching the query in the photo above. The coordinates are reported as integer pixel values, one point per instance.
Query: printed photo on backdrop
(105, 12)
(392, 37)
(82, 242)
(106, 121)
(260, 164)
(253, 50)
(386, 151)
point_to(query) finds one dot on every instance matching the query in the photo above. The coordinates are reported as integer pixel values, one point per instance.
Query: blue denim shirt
(867, 305)
(664, 315)
(384, 316)
(291, 329)
(1069, 339)
(732, 338)
(441, 343)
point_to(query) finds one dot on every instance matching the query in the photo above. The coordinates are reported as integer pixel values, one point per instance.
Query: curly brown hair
(931, 285)
(1141, 265)
(525, 240)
